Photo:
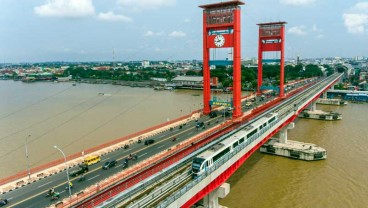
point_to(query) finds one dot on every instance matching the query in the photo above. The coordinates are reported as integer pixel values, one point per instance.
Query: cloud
(146, 4)
(177, 34)
(319, 36)
(361, 6)
(315, 28)
(66, 8)
(157, 49)
(298, 30)
(151, 33)
(356, 19)
(112, 17)
(297, 2)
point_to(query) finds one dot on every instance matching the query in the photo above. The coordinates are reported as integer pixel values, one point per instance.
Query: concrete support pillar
(333, 86)
(211, 200)
(324, 96)
(283, 132)
(313, 106)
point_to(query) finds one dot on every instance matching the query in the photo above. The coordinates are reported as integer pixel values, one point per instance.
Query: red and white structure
(221, 29)
(271, 38)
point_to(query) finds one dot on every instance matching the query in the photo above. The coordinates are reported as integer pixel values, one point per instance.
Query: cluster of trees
(119, 74)
(271, 73)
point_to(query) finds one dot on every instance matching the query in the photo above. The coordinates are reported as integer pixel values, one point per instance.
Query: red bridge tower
(271, 38)
(221, 29)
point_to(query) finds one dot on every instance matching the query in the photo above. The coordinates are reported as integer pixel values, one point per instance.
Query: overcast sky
(89, 30)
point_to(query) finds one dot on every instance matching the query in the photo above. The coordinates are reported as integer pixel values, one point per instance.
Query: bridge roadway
(34, 195)
(175, 190)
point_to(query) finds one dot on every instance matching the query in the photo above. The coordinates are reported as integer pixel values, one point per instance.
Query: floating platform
(331, 101)
(294, 149)
(320, 115)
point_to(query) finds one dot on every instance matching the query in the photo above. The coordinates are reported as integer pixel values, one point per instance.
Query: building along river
(79, 117)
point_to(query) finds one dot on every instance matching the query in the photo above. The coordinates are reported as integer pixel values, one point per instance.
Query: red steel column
(282, 61)
(260, 57)
(206, 71)
(237, 112)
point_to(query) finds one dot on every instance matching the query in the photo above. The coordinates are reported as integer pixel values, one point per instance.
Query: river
(79, 117)
(267, 181)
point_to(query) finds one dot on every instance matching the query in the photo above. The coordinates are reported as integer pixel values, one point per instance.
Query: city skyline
(90, 30)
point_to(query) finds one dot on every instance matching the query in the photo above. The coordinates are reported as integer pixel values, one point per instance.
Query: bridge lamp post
(28, 164)
(67, 170)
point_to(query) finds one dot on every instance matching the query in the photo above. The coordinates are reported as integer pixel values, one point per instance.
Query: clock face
(219, 40)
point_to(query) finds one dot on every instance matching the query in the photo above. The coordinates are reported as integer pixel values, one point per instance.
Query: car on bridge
(109, 164)
(149, 141)
(83, 168)
(3, 202)
(213, 114)
(199, 124)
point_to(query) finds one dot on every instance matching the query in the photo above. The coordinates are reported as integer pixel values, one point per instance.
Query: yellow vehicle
(90, 160)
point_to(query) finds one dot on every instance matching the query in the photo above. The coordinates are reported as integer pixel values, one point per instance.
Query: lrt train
(207, 158)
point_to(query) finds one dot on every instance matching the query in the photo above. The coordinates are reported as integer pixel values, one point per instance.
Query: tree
(191, 73)
(341, 68)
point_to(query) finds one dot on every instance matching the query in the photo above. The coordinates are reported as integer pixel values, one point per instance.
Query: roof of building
(222, 4)
(188, 78)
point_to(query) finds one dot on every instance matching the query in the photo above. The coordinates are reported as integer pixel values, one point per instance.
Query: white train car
(207, 158)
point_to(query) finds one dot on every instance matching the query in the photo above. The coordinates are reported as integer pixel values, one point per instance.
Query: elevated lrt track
(173, 184)
(296, 101)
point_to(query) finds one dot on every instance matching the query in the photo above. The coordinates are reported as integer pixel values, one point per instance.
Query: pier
(320, 115)
(338, 102)
(293, 149)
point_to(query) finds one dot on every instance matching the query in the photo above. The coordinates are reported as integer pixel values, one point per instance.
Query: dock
(294, 150)
(320, 115)
(338, 102)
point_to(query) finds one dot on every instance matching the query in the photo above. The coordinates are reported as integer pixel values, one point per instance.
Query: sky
(90, 30)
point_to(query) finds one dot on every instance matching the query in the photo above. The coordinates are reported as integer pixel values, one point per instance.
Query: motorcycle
(49, 193)
(125, 164)
(135, 157)
(55, 196)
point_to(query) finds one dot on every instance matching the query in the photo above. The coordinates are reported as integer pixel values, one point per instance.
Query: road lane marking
(142, 154)
(105, 159)
(44, 184)
(93, 177)
(160, 146)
